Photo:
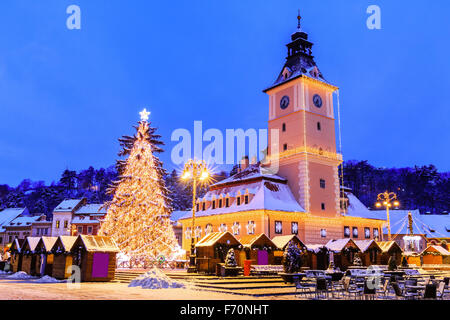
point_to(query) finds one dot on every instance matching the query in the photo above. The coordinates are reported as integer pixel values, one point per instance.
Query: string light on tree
(138, 215)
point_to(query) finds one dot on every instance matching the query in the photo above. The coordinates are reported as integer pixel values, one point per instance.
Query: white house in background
(63, 215)
(6, 216)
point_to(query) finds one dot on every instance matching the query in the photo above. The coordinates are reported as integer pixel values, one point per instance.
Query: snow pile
(155, 279)
(47, 279)
(5, 272)
(20, 276)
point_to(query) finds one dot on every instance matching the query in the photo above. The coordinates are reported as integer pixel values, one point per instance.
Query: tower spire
(298, 19)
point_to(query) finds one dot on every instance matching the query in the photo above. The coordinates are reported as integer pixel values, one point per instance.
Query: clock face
(284, 102)
(317, 100)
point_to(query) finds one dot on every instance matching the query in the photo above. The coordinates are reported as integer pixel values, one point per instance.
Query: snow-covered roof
(176, 215)
(98, 243)
(363, 245)
(253, 171)
(357, 209)
(430, 225)
(67, 242)
(23, 221)
(339, 244)
(315, 247)
(212, 238)
(269, 195)
(31, 242)
(48, 242)
(9, 214)
(249, 240)
(93, 208)
(68, 205)
(439, 249)
(282, 241)
(385, 246)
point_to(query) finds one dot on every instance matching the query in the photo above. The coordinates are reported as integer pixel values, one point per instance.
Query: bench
(267, 269)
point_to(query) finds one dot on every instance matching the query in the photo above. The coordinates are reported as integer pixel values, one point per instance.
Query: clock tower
(301, 114)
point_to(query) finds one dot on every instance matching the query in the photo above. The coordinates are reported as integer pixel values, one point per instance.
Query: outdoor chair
(321, 287)
(430, 291)
(351, 289)
(384, 290)
(399, 293)
(300, 288)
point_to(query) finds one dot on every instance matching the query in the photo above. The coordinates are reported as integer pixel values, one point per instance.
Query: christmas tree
(230, 260)
(292, 258)
(138, 215)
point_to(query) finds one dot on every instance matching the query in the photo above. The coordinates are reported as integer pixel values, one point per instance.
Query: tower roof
(299, 61)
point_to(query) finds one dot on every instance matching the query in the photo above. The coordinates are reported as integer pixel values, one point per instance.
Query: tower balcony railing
(308, 150)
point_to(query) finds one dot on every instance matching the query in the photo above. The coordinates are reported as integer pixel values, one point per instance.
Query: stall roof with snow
(315, 247)
(387, 246)
(365, 245)
(282, 241)
(436, 249)
(96, 243)
(46, 243)
(30, 243)
(64, 243)
(250, 241)
(217, 237)
(338, 245)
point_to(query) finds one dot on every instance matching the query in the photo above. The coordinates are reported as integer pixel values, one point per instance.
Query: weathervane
(144, 114)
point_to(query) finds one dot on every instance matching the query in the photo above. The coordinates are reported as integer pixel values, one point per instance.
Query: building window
(251, 227)
(198, 231)
(323, 233)
(367, 233)
(285, 147)
(214, 204)
(223, 227)
(278, 227)
(197, 207)
(355, 232)
(89, 230)
(66, 224)
(80, 230)
(238, 200)
(284, 127)
(203, 206)
(57, 224)
(246, 199)
(187, 233)
(322, 183)
(375, 232)
(10, 239)
(227, 202)
(46, 231)
(347, 232)
(294, 227)
(208, 228)
(319, 127)
(236, 228)
(322, 205)
(220, 203)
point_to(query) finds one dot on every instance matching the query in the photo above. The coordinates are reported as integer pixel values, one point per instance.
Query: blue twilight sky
(67, 95)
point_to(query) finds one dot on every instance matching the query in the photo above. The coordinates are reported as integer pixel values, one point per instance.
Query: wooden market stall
(258, 248)
(370, 252)
(317, 257)
(16, 254)
(62, 257)
(281, 243)
(342, 252)
(96, 257)
(435, 255)
(212, 249)
(390, 249)
(44, 250)
(29, 258)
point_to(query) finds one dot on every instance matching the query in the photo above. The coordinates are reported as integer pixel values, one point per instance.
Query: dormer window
(238, 200)
(214, 204)
(246, 199)
(203, 206)
(227, 202)
(220, 203)
(197, 207)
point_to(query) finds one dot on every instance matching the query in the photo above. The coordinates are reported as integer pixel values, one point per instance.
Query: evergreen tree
(230, 260)
(138, 215)
(292, 258)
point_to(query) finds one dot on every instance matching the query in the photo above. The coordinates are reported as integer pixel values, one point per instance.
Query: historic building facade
(303, 197)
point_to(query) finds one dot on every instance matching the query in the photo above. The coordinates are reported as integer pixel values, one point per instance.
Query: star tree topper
(144, 114)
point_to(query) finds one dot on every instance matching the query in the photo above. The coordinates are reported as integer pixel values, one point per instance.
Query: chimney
(244, 163)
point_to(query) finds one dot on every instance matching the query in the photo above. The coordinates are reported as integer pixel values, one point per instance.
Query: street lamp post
(195, 170)
(387, 199)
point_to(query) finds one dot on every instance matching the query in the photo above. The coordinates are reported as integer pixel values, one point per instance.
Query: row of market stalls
(59, 257)
(261, 250)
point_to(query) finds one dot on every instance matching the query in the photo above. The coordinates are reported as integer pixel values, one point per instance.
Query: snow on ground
(5, 272)
(21, 275)
(156, 279)
(47, 279)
